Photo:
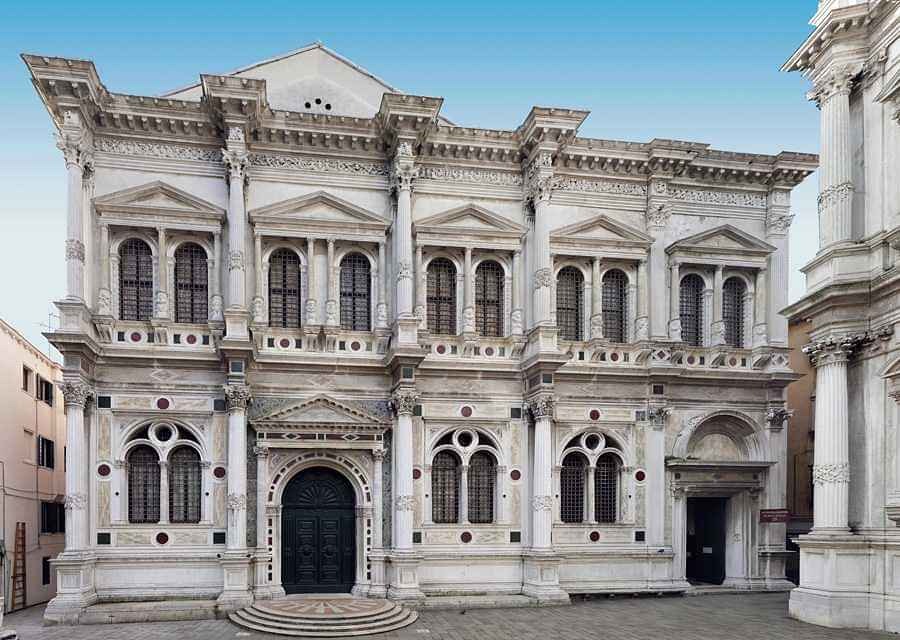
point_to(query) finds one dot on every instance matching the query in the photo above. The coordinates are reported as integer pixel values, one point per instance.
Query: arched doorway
(318, 533)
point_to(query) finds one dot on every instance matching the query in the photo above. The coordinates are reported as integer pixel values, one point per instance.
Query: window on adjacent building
(43, 390)
(615, 304)
(284, 289)
(571, 487)
(570, 303)
(441, 297)
(53, 517)
(691, 308)
(733, 292)
(191, 275)
(184, 485)
(143, 485)
(45, 453)
(45, 570)
(489, 281)
(135, 280)
(606, 488)
(482, 479)
(356, 286)
(26, 378)
(445, 488)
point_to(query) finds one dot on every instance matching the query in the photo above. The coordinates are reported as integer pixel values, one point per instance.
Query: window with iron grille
(571, 488)
(614, 304)
(356, 285)
(733, 292)
(184, 485)
(445, 488)
(284, 289)
(135, 280)
(143, 485)
(191, 276)
(570, 303)
(489, 280)
(442, 297)
(482, 478)
(606, 488)
(691, 308)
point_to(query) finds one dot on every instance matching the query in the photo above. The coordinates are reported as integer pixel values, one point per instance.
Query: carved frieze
(156, 150)
(471, 176)
(727, 198)
(836, 472)
(319, 165)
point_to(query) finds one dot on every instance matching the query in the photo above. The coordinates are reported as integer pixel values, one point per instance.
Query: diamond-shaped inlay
(351, 437)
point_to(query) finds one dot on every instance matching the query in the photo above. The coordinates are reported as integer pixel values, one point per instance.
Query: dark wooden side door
(318, 533)
(706, 540)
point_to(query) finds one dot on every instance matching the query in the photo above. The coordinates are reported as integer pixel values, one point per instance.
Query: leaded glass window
(191, 276)
(733, 292)
(691, 307)
(356, 285)
(445, 488)
(441, 297)
(571, 486)
(135, 280)
(482, 478)
(614, 305)
(570, 303)
(143, 485)
(284, 289)
(606, 488)
(185, 485)
(489, 279)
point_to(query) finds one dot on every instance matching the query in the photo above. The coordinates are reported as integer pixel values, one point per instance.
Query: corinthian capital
(403, 168)
(236, 162)
(539, 179)
(404, 401)
(76, 148)
(75, 394)
(237, 396)
(541, 406)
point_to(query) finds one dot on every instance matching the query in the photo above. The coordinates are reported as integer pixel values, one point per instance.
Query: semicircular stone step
(337, 625)
(268, 615)
(323, 608)
(326, 633)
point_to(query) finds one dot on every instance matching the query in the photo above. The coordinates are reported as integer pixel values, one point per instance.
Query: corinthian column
(538, 187)
(541, 407)
(237, 397)
(836, 196)
(404, 402)
(596, 301)
(75, 143)
(76, 396)
(717, 327)
(403, 173)
(235, 157)
(831, 468)
(674, 302)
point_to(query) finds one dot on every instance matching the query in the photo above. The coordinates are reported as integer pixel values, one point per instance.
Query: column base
(237, 324)
(542, 578)
(406, 332)
(75, 588)
(404, 577)
(236, 593)
(378, 584)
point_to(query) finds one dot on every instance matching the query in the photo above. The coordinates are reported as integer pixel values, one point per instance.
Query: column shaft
(760, 314)
(76, 395)
(831, 468)
(596, 301)
(421, 289)
(717, 327)
(403, 231)
(331, 307)
(543, 272)
(468, 294)
(381, 319)
(542, 502)
(237, 397)
(642, 322)
(162, 288)
(517, 317)
(674, 302)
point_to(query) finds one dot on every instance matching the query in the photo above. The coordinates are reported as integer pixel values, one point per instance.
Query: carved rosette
(641, 329)
(404, 401)
(76, 394)
(405, 503)
(541, 503)
(236, 163)
(469, 320)
(237, 396)
(832, 473)
(542, 406)
(76, 502)
(596, 327)
(236, 501)
(74, 250)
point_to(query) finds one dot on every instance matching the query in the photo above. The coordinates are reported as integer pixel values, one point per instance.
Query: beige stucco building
(32, 473)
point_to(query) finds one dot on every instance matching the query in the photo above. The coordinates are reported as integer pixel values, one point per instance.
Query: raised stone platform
(324, 616)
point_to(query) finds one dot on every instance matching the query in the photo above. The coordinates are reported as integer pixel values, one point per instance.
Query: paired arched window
(614, 304)
(185, 485)
(570, 303)
(284, 289)
(143, 485)
(691, 309)
(464, 472)
(356, 286)
(135, 280)
(191, 275)
(489, 282)
(589, 480)
(441, 297)
(733, 292)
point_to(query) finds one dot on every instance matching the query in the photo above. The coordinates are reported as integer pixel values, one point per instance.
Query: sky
(699, 70)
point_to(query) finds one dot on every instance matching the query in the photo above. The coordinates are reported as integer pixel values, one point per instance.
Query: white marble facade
(560, 333)
(850, 562)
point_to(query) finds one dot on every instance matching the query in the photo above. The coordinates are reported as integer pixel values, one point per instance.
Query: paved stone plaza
(732, 617)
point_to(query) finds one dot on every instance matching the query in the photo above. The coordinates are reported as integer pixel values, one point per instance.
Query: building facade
(317, 337)
(32, 471)
(850, 562)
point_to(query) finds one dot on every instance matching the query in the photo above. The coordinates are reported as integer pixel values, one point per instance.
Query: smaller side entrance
(705, 562)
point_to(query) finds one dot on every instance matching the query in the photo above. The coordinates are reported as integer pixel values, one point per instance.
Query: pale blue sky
(698, 70)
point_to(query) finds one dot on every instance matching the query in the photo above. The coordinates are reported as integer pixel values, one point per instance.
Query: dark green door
(318, 533)
(706, 540)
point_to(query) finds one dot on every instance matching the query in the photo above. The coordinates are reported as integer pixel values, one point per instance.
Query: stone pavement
(757, 616)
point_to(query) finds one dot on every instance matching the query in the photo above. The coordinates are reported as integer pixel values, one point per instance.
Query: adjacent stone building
(850, 562)
(317, 337)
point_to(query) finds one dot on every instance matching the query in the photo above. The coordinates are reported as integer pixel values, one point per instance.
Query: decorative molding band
(728, 198)
(831, 196)
(156, 150)
(835, 472)
(470, 176)
(318, 165)
(569, 183)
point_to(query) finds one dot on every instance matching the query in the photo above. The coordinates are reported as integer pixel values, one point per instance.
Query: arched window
(489, 279)
(191, 284)
(614, 303)
(606, 488)
(441, 297)
(482, 478)
(571, 488)
(143, 485)
(733, 292)
(135, 280)
(284, 289)
(185, 485)
(569, 303)
(691, 307)
(356, 285)
(445, 488)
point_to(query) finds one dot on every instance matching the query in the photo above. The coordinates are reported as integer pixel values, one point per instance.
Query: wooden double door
(318, 533)
(706, 540)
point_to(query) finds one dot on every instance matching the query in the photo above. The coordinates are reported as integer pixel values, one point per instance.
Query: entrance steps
(324, 616)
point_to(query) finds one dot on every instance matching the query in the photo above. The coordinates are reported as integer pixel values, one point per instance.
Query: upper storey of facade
(301, 209)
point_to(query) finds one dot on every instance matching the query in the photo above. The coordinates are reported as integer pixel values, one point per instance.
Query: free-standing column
(331, 285)
(381, 319)
(778, 223)
(760, 327)
(76, 396)
(74, 144)
(162, 288)
(216, 303)
(674, 302)
(717, 328)
(538, 185)
(404, 400)
(235, 158)
(836, 196)
(262, 485)
(403, 173)
(596, 301)
(421, 284)
(377, 499)
(541, 407)
(464, 494)
(468, 294)
(237, 396)
(163, 492)
(517, 319)
(831, 467)
(104, 298)
(312, 311)
(590, 511)
(642, 321)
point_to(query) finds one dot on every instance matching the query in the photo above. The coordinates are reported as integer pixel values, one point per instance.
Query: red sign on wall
(774, 515)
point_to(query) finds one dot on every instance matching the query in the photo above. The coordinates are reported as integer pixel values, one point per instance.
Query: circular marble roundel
(103, 470)
(219, 472)
(594, 414)
(595, 536)
(162, 538)
(640, 475)
(466, 537)
(417, 473)
(466, 411)
(515, 474)
(162, 403)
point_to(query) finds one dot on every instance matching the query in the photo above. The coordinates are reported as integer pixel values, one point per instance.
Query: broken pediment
(156, 198)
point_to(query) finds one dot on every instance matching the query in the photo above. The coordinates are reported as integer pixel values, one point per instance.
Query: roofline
(28, 344)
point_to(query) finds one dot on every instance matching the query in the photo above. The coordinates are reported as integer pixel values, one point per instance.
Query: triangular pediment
(725, 238)
(601, 228)
(469, 218)
(321, 410)
(318, 207)
(156, 197)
